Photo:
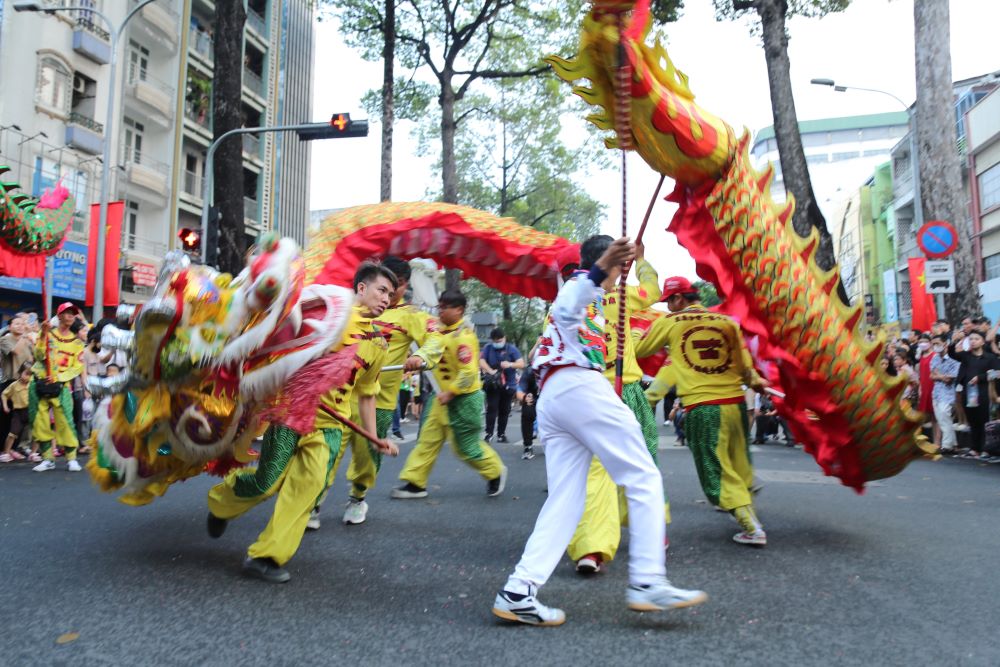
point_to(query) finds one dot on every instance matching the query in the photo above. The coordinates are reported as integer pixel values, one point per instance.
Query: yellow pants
(604, 514)
(435, 430)
(64, 434)
(298, 473)
(718, 438)
(365, 464)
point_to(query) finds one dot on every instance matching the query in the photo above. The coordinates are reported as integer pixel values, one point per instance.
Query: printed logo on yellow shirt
(704, 349)
(464, 354)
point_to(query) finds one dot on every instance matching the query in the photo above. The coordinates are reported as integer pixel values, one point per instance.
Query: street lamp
(918, 204)
(109, 123)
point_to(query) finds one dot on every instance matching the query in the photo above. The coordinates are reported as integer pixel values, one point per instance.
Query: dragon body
(31, 229)
(213, 358)
(839, 401)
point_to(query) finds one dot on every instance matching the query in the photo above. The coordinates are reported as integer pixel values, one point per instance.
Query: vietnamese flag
(112, 252)
(924, 310)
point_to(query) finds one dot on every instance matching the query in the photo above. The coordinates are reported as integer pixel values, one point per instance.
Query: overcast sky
(869, 45)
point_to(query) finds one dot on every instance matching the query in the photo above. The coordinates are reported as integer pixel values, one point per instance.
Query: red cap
(63, 307)
(676, 285)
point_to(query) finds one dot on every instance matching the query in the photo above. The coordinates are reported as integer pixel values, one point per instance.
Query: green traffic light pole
(208, 180)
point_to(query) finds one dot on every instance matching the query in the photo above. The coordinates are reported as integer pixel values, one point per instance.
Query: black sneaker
(266, 570)
(216, 526)
(494, 487)
(409, 490)
(488, 437)
(502, 438)
(529, 453)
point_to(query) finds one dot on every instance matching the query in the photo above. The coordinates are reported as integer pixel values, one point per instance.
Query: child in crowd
(15, 403)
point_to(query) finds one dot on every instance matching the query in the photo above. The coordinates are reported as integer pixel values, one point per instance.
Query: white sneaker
(44, 465)
(526, 609)
(356, 512)
(662, 595)
(589, 564)
(73, 466)
(755, 539)
(313, 522)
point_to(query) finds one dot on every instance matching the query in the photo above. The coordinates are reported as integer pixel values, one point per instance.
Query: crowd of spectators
(951, 378)
(21, 361)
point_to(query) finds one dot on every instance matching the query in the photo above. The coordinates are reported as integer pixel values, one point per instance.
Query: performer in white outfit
(579, 416)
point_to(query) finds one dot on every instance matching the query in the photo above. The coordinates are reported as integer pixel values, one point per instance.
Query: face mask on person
(923, 346)
(939, 349)
(499, 344)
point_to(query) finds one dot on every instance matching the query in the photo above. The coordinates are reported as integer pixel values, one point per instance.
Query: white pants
(579, 416)
(942, 413)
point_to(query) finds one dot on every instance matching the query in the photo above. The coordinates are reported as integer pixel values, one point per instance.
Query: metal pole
(208, 179)
(109, 125)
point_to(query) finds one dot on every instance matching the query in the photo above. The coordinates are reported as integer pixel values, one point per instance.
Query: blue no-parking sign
(937, 239)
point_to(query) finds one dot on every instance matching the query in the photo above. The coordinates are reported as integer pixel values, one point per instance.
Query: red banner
(112, 252)
(924, 310)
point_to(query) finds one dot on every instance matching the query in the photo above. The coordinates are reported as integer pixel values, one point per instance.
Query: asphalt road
(902, 575)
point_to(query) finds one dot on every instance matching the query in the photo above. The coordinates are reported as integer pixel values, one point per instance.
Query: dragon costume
(31, 229)
(839, 403)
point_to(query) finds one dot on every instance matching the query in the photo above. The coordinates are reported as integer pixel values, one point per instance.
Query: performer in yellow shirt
(58, 361)
(401, 325)
(599, 533)
(455, 414)
(711, 365)
(299, 469)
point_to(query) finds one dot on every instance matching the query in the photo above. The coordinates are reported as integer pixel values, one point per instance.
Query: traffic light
(340, 127)
(190, 240)
(212, 238)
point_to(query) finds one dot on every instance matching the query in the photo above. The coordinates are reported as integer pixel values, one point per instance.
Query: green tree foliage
(512, 161)
(667, 11)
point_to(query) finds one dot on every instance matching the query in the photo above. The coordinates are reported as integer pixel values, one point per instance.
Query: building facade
(56, 84)
(862, 230)
(968, 92)
(840, 152)
(983, 143)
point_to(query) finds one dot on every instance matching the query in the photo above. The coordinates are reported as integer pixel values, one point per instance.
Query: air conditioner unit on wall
(79, 84)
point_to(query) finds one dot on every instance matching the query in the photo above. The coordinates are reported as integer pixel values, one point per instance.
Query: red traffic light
(190, 239)
(341, 121)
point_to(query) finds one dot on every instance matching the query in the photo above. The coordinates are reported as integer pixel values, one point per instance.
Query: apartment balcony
(159, 23)
(135, 243)
(256, 24)
(200, 44)
(149, 96)
(251, 211)
(92, 41)
(254, 84)
(251, 146)
(151, 178)
(192, 185)
(198, 124)
(84, 133)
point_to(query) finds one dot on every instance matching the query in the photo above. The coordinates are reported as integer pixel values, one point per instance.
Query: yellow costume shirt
(17, 394)
(710, 360)
(458, 371)
(369, 357)
(402, 325)
(664, 380)
(65, 356)
(637, 298)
